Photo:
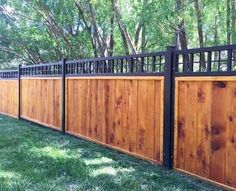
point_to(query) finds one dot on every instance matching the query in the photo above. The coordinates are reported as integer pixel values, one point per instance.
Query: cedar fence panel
(205, 128)
(121, 112)
(41, 101)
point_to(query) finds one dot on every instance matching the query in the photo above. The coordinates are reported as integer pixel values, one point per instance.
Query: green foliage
(40, 31)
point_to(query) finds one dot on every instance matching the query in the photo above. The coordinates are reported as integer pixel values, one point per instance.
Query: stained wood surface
(41, 101)
(205, 128)
(9, 97)
(122, 113)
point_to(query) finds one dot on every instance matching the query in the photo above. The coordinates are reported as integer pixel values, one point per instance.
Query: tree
(40, 31)
(233, 20)
(200, 32)
(127, 41)
(228, 23)
(180, 30)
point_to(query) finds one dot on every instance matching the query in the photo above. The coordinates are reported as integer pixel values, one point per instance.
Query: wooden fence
(171, 108)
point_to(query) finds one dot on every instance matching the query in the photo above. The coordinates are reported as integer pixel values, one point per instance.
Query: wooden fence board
(150, 118)
(158, 118)
(101, 111)
(204, 128)
(69, 105)
(191, 124)
(142, 111)
(181, 135)
(133, 113)
(125, 116)
(110, 99)
(230, 177)
(218, 129)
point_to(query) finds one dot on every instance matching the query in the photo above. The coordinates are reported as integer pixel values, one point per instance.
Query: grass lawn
(36, 158)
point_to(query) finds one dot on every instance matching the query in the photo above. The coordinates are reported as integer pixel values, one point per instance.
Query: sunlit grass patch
(49, 151)
(97, 161)
(35, 158)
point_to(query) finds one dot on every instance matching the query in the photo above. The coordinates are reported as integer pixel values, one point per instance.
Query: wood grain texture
(218, 131)
(126, 114)
(205, 115)
(190, 126)
(41, 101)
(203, 128)
(230, 171)
(9, 97)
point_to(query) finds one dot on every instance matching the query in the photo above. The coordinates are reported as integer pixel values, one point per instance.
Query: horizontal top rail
(206, 49)
(51, 69)
(216, 60)
(117, 57)
(40, 65)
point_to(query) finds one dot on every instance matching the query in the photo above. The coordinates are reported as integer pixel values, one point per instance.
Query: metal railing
(206, 61)
(217, 60)
(9, 74)
(140, 64)
(52, 69)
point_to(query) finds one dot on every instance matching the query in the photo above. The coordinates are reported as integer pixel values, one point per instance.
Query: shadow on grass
(35, 158)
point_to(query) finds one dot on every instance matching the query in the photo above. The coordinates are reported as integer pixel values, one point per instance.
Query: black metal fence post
(168, 142)
(63, 95)
(19, 91)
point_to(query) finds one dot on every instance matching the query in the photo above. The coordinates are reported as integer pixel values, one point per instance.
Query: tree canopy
(41, 31)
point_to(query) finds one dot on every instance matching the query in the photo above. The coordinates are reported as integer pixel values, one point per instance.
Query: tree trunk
(111, 67)
(228, 22)
(100, 41)
(88, 28)
(182, 35)
(180, 30)
(137, 33)
(216, 31)
(216, 36)
(233, 25)
(200, 32)
(143, 42)
(233, 20)
(111, 43)
(199, 23)
(124, 33)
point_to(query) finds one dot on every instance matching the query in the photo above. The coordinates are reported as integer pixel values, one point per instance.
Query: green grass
(36, 158)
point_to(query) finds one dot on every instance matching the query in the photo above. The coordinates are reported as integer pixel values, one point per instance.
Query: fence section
(148, 105)
(41, 100)
(121, 112)
(205, 113)
(9, 97)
